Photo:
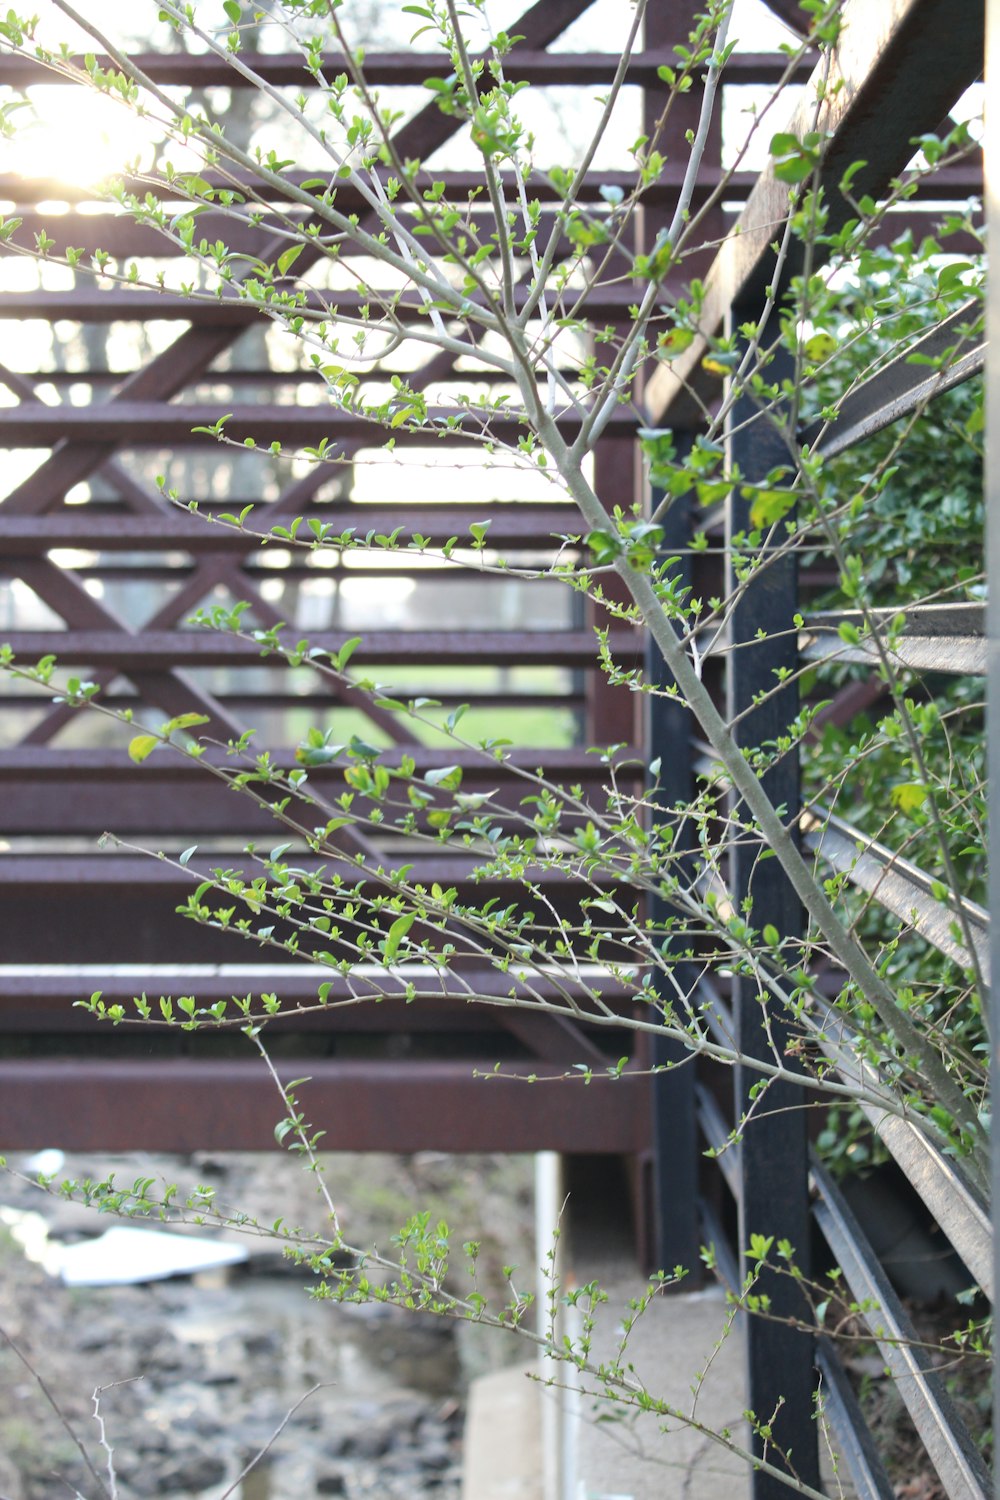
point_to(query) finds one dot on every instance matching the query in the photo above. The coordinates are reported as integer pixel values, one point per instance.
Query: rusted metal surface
(900, 68)
(577, 69)
(459, 184)
(104, 305)
(155, 424)
(166, 529)
(65, 792)
(168, 649)
(49, 991)
(180, 1104)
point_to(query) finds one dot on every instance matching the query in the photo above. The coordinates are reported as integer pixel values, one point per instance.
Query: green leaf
(184, 721)
(951, 275)
(820, 347)
(670, 345)
(604, 545)
(769, 506)
(794, 160)
(142, 747)
(345, 653)
(396, 934)
(771, 935)
(448, 778)
(908, 796)
(288, 257)
(233, 10)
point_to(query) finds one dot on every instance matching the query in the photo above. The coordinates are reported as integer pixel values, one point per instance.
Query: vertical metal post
(992, 171)
(676, 1221)
(676, 1225)
(774, 1196)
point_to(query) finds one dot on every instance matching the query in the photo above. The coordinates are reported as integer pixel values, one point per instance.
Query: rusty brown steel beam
(49, 993)
(512, 523)
(97, 304)
(169, 689)
(401, 69)
(267, 700)
(84, 792)
(163, 649)
(574, 764)
(955, 181)
(155, 424)
(251, 375)
(125, 239)
(137, 924)
(461, 186)
(183, 1105)
(119, 907)
(79, 873)
(898, 68)
(431, 575)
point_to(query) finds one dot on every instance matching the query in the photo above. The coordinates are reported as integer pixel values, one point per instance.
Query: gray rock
(367, 1442)
(434, 1456)
(333, 1483)
(189, 1470)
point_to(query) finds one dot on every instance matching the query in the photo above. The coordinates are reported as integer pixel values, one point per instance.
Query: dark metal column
(676, 1218)
(774, 1159)
(676, 1226)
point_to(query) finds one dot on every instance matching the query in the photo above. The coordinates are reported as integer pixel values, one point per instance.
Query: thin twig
(50, 1398)
(262, 1453)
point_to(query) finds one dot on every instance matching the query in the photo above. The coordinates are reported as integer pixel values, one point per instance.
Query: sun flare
(79, 139)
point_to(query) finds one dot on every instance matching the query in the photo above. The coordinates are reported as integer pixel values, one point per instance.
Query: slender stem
(63, 1419)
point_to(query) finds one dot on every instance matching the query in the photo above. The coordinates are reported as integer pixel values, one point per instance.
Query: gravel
(200, 1373)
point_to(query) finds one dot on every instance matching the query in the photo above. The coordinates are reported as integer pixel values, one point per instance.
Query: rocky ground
(200, 1372)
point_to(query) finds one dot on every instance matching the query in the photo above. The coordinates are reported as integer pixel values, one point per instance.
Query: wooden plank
(902, 386)
(963, 655)
(948, 1441)
(898, 68)
(899, 886)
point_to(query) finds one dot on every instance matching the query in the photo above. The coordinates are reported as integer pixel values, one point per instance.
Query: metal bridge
(104, 573)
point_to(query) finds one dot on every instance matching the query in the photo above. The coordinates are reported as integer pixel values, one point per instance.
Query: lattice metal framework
(105, 574)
